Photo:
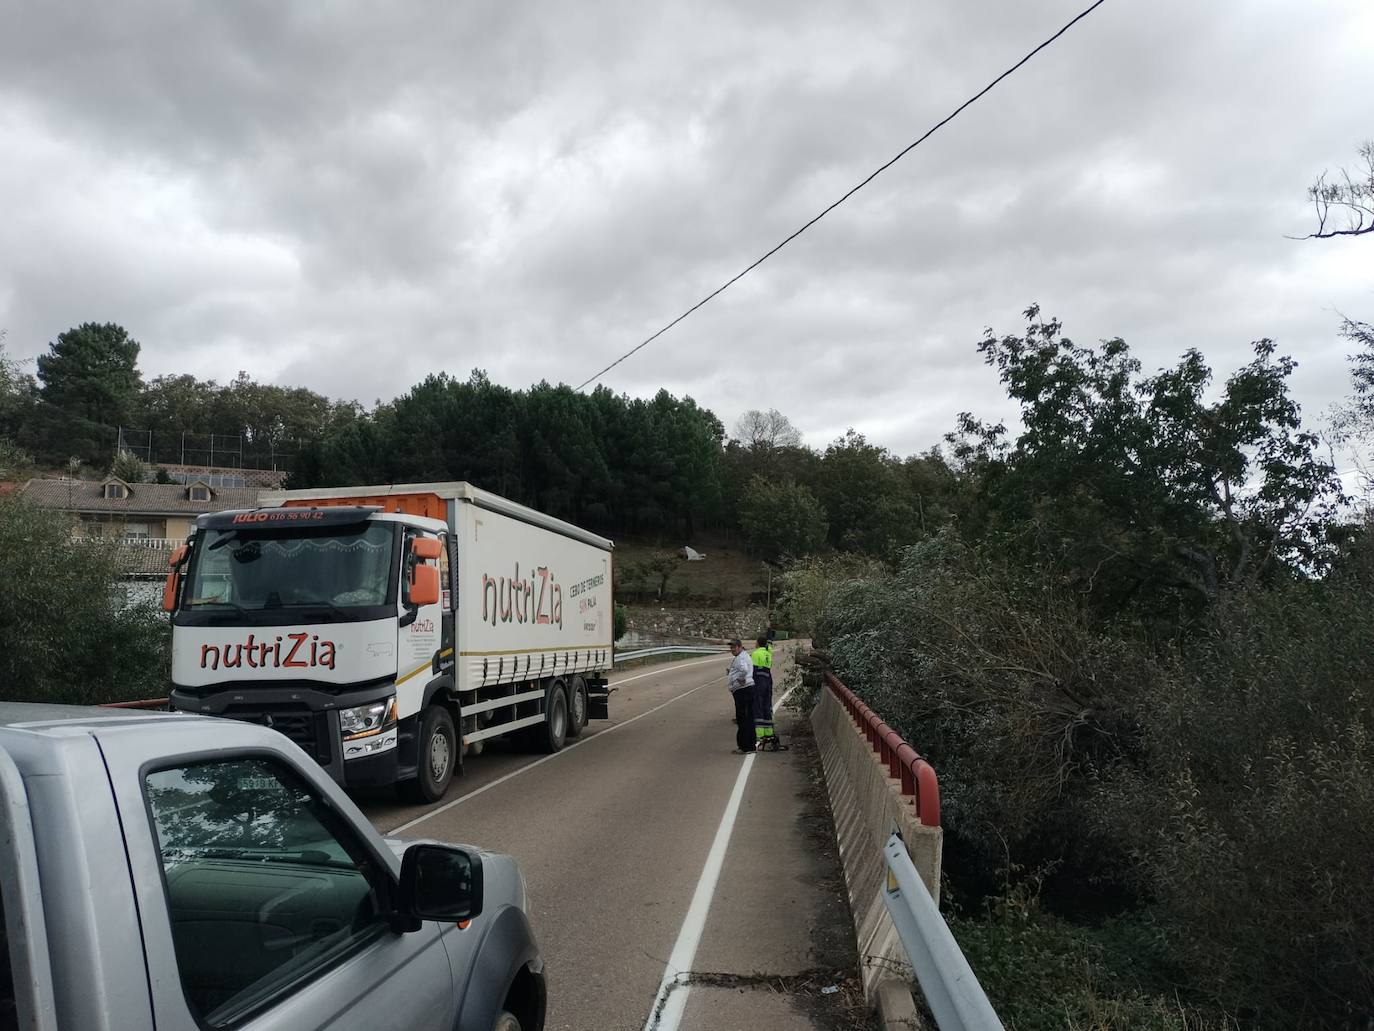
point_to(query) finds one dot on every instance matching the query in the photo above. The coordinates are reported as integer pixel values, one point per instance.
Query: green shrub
(1043, 973)
(1253, 819)
(63, 638)
(15, 462)
(621, 621)
(1220, 784)
(807, 584)
(992, 674)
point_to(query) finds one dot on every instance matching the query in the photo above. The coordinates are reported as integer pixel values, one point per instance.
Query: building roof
(136, 560)
(144, 499)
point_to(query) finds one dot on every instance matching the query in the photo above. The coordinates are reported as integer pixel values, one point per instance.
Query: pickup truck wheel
(555, 725)
(507, 1021)
(438, 755)
(577, 706)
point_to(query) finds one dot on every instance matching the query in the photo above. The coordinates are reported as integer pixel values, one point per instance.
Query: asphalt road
(613, 834)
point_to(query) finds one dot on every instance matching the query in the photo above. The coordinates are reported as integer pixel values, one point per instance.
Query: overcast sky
(348, 196)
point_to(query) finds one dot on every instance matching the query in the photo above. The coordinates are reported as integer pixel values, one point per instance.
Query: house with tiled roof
(154, 514)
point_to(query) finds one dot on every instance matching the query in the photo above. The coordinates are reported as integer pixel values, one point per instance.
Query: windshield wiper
(299, 857)
(323, 606)
(207, 603)
(187, 853)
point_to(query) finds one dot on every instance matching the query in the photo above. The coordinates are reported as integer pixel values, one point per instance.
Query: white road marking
(568, 748)
(669, 1005)
(667, 669)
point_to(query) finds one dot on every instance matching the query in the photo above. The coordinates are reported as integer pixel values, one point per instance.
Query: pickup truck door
(26, 995)
(263, 893)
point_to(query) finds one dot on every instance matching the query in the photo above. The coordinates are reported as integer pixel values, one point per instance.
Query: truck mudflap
(507, 954)
(599, 700)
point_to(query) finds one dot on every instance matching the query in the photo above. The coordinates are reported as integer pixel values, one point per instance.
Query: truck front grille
(308, 729)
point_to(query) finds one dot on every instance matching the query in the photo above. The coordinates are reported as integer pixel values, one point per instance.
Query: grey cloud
(351, 197)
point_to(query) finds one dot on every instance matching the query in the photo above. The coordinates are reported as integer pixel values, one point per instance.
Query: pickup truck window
(266, 887)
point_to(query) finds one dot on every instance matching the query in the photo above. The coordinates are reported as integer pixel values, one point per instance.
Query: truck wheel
(507, 1021)
(577, 706)
(437, 756)
(555, 726)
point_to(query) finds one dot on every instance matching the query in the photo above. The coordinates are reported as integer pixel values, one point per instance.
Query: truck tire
(577, 706)
(507, 1021)
(437, 755)
(553, 732)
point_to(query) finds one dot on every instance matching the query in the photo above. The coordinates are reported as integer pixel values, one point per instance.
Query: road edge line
(668, 1007)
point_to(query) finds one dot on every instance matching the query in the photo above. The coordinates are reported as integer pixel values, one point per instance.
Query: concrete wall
(867, 804)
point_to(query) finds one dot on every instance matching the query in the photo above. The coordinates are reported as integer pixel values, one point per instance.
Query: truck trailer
(390, 630)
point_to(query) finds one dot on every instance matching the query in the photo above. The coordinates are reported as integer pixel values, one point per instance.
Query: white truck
(390, 630)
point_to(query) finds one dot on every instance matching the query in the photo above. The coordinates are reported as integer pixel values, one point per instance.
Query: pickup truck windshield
(251, 570)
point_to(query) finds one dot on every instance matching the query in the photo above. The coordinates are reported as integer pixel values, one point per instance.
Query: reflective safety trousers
(763, 702)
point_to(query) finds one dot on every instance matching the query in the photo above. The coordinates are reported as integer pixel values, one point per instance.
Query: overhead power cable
(873, 175)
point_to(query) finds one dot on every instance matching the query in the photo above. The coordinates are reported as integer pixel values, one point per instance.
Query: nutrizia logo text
(537, 598)
(285, 651)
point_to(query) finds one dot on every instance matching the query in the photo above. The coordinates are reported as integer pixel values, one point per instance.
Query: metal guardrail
(903, 762)
(951, 989)
(644, 653)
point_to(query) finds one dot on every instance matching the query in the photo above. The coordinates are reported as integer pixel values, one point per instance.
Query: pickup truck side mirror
(439, 882)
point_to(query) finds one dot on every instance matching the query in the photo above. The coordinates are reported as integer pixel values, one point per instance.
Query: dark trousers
(744, 719)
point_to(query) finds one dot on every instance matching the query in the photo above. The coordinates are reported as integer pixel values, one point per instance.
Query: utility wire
(877, 172)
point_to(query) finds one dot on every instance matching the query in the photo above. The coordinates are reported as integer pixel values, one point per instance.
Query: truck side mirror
(424, 586)
(439, 882)
(426, 547)
(169, 588)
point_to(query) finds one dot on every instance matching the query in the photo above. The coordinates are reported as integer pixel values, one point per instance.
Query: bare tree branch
(1354, 196)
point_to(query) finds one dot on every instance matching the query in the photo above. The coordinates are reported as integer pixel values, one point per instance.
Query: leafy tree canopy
(782, 520)
(92, 372)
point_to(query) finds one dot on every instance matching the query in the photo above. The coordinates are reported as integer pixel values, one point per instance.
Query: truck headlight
(367, 720)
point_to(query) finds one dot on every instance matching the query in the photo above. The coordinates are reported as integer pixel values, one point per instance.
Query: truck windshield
(292, 568)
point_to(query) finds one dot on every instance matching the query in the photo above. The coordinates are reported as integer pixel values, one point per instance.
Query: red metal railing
(902, 761)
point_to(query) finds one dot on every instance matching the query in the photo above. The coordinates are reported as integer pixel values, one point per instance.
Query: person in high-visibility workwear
(762, 658)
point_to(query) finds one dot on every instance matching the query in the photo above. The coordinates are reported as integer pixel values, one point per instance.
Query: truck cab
(189, 874)
(311, 621)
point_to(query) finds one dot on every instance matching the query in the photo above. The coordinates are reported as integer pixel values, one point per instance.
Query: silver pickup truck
(182, 873)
